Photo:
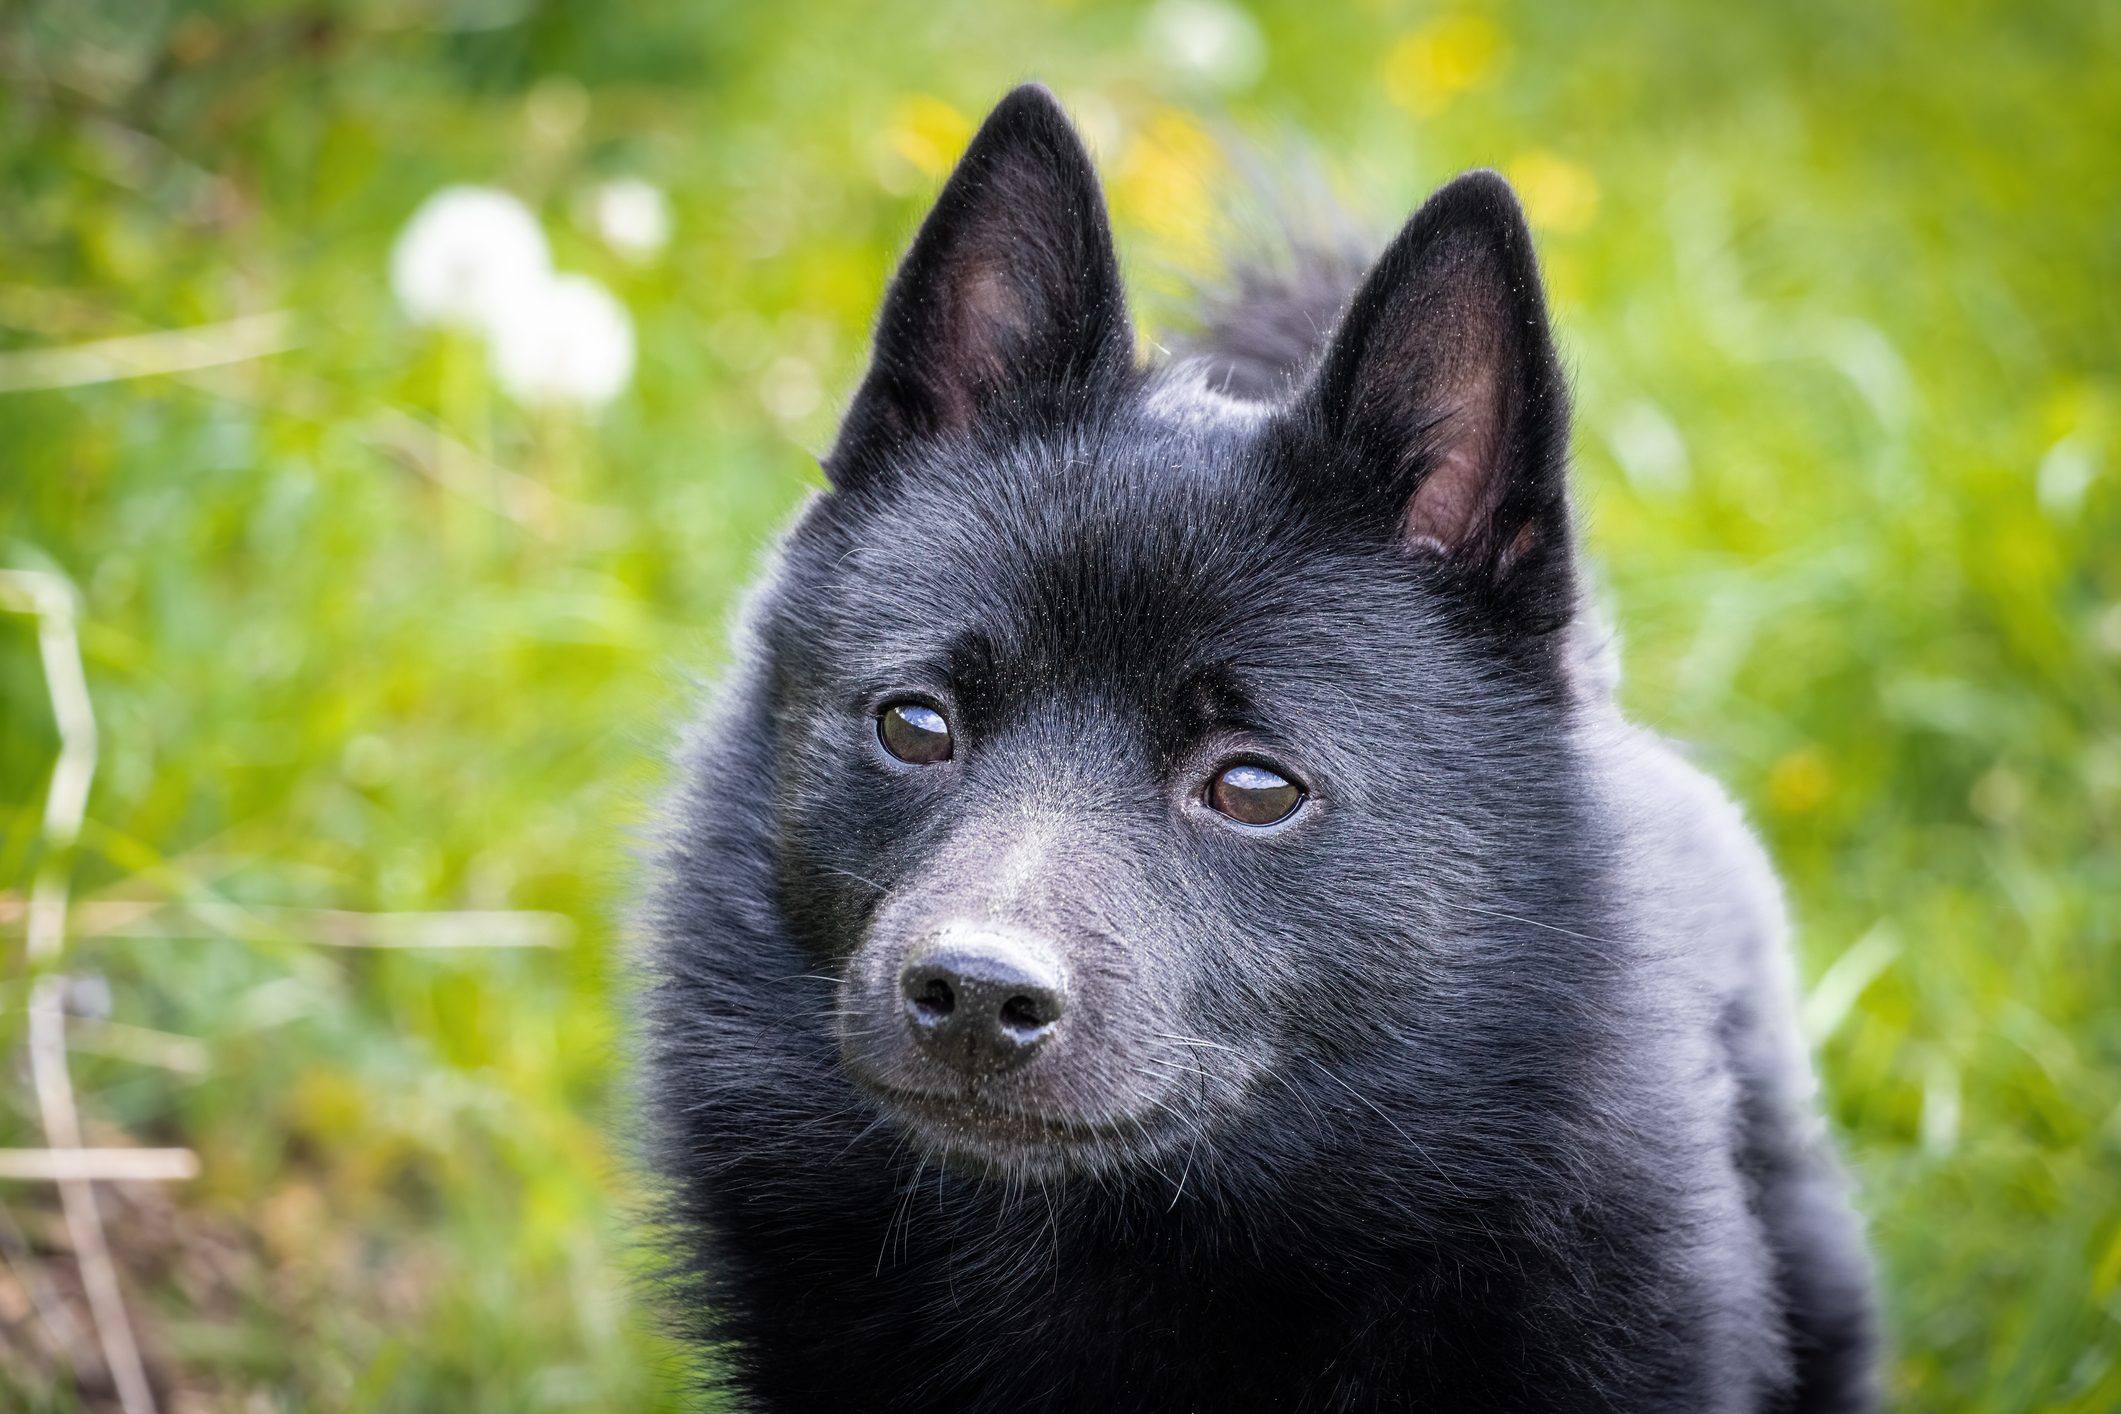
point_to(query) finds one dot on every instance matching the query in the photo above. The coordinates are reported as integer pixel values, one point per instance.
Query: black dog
(1167, 915)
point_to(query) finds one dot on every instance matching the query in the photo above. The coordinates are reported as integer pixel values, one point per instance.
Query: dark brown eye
(914, 734)
(1254, 795)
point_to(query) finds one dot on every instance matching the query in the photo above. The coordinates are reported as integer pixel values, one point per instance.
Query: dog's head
(1137, 756)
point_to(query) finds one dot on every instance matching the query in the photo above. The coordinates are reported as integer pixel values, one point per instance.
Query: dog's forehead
(1155, 554)
(1148, 576)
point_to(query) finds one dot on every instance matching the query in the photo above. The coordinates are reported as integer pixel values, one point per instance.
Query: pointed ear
(1009, 301)
(1445, 408)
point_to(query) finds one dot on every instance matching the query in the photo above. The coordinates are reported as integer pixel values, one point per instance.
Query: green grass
(1838, 288)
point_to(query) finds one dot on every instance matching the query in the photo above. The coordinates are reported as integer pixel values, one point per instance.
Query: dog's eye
(1254, 795)
(914, 733)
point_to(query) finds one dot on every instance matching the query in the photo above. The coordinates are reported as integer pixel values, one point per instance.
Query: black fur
(1473, 1085)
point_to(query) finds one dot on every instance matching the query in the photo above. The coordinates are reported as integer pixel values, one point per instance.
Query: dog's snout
(980, 1001)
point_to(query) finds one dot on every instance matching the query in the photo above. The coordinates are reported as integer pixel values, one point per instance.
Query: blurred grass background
(1839, 288)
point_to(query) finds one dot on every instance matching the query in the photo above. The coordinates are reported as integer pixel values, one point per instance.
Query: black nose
(981, 1002)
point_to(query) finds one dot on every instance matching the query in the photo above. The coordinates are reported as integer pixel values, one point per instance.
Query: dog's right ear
(1008, 304)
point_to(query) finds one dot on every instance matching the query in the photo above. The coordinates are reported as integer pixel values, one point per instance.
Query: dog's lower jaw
(981, 1140)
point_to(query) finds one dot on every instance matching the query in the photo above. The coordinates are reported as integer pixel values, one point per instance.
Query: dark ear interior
(1009, 301)
(1444, 405)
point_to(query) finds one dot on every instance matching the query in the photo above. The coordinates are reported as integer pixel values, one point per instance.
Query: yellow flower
(1430, 66)
(929, 134)
(1164, 181)
(1799, 782)
(1558, 195)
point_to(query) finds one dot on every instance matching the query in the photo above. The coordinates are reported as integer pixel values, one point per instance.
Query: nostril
(1023, 1015)
(932, 1001)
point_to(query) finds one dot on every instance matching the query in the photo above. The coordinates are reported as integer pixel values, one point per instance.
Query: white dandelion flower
(633, 217)
(1212, 41)
(567, 341)
(468, 256)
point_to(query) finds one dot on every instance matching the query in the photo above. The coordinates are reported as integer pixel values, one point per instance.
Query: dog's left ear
(1009, 302)
(1444, 408)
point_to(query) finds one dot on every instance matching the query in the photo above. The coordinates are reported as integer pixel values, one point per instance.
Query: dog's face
(1136, 754)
